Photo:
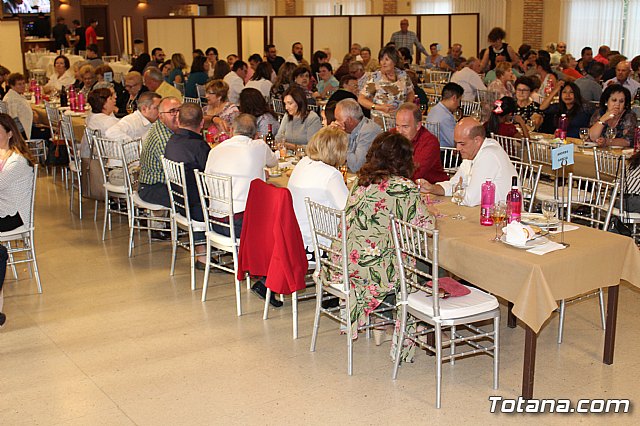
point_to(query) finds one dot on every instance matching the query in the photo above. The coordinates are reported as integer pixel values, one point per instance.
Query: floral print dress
(372, 264)
(382, 91)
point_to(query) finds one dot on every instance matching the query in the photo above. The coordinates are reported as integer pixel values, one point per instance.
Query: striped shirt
(152, 150)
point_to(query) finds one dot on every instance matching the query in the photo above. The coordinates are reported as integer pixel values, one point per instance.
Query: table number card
(562, 155)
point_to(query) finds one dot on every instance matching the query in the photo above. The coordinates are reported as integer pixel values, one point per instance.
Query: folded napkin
(547, 247)
(517, 233)
(451, 287)
(567, 228)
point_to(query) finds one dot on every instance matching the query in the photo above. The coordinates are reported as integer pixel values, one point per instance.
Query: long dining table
(533, 284)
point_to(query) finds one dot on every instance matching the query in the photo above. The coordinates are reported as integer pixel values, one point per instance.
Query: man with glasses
(152, 187)
(137, 124)
(134, 88)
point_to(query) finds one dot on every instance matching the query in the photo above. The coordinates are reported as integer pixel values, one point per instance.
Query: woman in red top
(503, 119)
(568, 67)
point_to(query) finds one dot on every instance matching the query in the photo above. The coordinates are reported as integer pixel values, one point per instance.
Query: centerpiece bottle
(563, 125)
(488, 197)
(268, 138)
(514, 202)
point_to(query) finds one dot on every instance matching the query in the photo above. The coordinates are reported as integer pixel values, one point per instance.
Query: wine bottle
(64, 101)
(488, 197)
(268, 138)
(514, 201)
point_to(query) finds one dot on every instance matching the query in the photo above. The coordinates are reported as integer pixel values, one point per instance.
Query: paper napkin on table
(547, 247)
(567, 228)
(517, 233)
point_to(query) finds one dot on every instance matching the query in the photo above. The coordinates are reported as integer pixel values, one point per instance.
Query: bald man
(483, 159)
(623, 71)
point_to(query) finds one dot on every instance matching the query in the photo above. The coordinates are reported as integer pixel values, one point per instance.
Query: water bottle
(80, 103)
(514, 202)
(563, 125)
(38, 94)
(487, 199)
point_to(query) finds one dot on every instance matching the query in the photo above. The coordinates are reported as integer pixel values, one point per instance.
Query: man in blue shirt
(443, 112)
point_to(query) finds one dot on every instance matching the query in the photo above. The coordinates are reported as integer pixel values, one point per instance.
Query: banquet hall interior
(114, 339)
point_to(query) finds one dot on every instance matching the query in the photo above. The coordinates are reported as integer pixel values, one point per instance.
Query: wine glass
(477, 114)
(610, 135)
(457, 198)
(458, 114)
(498, 214)
(549, 210)
(531, 126)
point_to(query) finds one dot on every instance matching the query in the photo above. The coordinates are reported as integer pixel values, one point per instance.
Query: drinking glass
(610, 135)
(549, 210)
(498, 214)
(458, 114)
(457, 198)
(584, 134)
(531, 125)
(477, 114)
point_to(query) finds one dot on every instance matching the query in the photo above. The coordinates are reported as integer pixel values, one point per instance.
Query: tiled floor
(117, 341)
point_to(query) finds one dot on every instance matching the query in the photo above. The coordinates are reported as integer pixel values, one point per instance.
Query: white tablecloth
(119, 69)
(45, 61)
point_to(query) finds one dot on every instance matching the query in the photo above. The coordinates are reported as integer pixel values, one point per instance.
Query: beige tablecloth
(78, 122)
(534, 283)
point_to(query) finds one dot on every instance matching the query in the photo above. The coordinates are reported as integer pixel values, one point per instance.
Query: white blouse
(264, 86)
(19, 108)
(320, 182)
(16, 181)
(56, 82)
(101, 122)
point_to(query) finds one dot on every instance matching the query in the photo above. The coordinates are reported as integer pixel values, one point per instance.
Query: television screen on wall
(22, 7)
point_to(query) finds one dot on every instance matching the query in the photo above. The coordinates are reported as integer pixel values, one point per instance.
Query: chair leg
(236, 281)
(207, 270)
(13, 265)
(132, 221)
(107, 213)
(192, 258)
(174, 246)
(400, 341)
(349, 342)
(265, 313)
(438, 336)
(561, 321)
(316, 319)
(453, 345)
(95, 211)
(496, 351)
(294, 313)
(602, 314)
(79, 194)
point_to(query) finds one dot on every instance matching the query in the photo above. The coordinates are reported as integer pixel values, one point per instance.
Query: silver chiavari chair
(529, 177)
(278, 107)
(433, 128)
(514, 147)
(450, 159)
(192, 100)
(388, 122)
(115, 189)
(471, 109)
(415, 245)
(73, 150)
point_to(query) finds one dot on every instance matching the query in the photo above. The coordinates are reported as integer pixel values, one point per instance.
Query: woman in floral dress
(383, 187)
(387, 88)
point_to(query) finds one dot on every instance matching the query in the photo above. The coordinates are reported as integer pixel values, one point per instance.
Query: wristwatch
(373, 107)
(601, 122)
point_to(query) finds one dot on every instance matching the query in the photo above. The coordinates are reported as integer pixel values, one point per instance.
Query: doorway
(101, 14)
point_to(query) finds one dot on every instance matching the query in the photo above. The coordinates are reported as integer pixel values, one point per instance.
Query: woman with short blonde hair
(317, 177)
(329, 145)
(219, 110)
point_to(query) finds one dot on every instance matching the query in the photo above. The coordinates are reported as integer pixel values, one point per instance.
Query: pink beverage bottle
(487, 199)
(636, 139)
(563, 125)
(212, 133)
(38, 94)
(80, 103)
(32, 85)
(514, 202)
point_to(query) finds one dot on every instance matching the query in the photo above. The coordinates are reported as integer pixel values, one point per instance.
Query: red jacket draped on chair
(271, 242)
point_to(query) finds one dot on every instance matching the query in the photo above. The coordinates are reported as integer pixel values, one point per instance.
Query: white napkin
(567, 228)
(517, 233)
(545, 248)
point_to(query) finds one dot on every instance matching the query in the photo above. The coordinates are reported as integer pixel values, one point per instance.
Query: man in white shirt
(243, 158)
(235, 80)
(623, 70)
(137, 124)
(469, 79)
(296, 56)
(483, 159)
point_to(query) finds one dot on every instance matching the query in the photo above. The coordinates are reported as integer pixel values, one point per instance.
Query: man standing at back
(483, 159)
(90, 33)
(243, 158)
(80, 33)
(406, 38)
(442, 113)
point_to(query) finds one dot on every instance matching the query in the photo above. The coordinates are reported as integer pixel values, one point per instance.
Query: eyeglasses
(211, 93)
(172, 111)
(523, 90)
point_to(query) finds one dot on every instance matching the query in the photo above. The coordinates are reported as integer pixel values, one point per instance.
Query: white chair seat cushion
(473, 303)
(139, 202)
(116, 189)
(14, 234)
(197, 226)
(338, 287)
(220, 240)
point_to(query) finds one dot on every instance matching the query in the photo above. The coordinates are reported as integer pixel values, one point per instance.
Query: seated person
(137, 125)
(187, 146)
(220, 110)
(61, 75)
(101, 117)
(571, 104)
(443, 111)
(93, 57)
(483, 159)
(328, 83)
(20, 109)
(299, 124)
(362, 131)
(614, 113)
(502, 119)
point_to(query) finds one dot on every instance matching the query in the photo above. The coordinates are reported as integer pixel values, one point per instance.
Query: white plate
(538, 220)
(528, 245)
(589, 145)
